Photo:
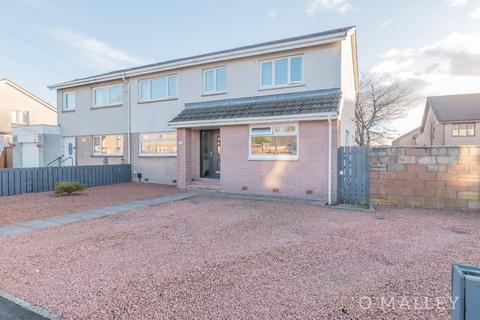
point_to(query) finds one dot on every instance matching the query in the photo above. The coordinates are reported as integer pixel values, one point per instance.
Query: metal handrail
(55, 160)
(69, 158)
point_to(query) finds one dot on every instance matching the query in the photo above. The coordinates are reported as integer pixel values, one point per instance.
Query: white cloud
(392, 66)
(340, 6)
(448, 66)
(457, 54)
(97, 53)
(386, 23)
(460, 51)
(273, 14)
(456, 3)
(475, 14)
(396, 53)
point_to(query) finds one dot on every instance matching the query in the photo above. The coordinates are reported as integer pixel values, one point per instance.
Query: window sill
(213, 93)
(68, 111)
(107, 156)
(106, 106)
(168, 155)
(158, 100)
(273, 158)
(293, 85)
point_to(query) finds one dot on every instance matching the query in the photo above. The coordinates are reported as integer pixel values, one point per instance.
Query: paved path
(54, 221)
(12, 311)
(13, 308)
(49, 222)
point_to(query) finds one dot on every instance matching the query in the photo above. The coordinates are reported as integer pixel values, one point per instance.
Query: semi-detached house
(265, 118)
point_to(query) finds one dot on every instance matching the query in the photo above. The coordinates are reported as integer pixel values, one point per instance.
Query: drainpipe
(329, 160)
(128, 118)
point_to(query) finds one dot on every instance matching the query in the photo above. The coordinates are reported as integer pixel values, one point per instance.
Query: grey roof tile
(460, 107)
(306, 102)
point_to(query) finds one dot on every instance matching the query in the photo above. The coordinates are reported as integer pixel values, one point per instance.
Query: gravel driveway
(218, 258)
(24, 207)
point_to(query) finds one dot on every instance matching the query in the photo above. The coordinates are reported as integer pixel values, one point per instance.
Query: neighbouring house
(407, 139)
(447, 120)
(19, 108)
(38, 146)
(264, 118)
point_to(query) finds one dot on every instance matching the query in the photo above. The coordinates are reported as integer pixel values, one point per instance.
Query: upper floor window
(158, 88)
(463, 129)
(215, 80)
(107, 96)
(158, 144)
(108, 145)
(274, 142)
(69, 101)
(20, 117)
(281, 72)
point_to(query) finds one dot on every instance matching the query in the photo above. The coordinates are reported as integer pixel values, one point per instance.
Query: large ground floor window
(158, 144)
(274, 142)
(108, 145)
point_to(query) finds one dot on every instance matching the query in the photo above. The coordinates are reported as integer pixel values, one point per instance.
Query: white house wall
(347, 115)
(321, 71)
(85, 120)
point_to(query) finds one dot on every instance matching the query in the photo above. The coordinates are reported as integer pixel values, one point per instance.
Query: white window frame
(15, 121)
(458, 135)
(101, 146)
(273, 134)
(65, 106)
(289, 83)
(141, 154)
(94, 105)
(214, 91)
(149, 81)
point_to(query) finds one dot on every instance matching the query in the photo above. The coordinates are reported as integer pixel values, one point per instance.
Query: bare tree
(380, 101)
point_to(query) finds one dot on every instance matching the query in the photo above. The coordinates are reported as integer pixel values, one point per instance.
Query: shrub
(68, 187)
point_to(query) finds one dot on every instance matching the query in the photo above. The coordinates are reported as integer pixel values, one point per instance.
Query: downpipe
(128, 119)
(329, 161)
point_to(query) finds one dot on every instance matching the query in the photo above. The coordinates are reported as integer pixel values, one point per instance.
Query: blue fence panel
(27, 180)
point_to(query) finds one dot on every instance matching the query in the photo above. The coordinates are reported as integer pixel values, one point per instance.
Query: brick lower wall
(307, 177)
(428, 177)
(184, 157)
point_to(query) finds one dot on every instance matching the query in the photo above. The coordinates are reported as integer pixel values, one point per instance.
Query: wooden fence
(26, 180)
(353, 176)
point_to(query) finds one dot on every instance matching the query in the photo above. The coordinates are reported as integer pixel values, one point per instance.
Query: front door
(68, 152)
(210, 154)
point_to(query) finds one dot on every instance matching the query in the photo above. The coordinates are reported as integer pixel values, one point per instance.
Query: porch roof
(298, 103)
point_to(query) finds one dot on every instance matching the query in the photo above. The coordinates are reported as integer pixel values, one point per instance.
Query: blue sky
(433, 45)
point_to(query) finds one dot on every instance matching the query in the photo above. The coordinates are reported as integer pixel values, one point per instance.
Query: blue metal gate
(353, 176)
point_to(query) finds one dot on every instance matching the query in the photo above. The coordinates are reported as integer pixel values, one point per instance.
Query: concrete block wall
(428, 177)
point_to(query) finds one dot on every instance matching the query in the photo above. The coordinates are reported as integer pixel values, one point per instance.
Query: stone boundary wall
(427, 177)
